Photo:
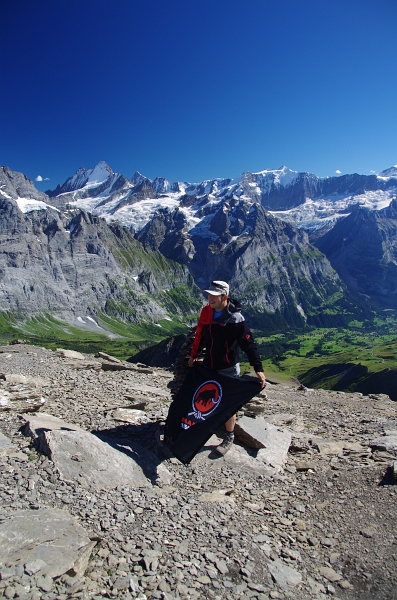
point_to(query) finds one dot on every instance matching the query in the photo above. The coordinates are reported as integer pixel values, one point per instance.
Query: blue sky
(192, 90)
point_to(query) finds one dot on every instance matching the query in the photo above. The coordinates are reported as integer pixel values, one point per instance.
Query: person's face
(217, 302)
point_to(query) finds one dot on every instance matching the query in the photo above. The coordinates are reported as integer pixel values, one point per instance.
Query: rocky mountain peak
(16, 185)
(391, 172)
(138, 178)
(100, 173)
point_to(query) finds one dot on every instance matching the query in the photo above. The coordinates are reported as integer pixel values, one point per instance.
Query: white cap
(218, 288)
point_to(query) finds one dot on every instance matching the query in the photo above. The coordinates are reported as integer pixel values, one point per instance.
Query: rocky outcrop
(14, 185)
(74, 264)
(163, 354)
(362, 249)
(271, 266)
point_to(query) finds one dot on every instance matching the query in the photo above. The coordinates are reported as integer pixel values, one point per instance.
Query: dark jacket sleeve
(247, 344)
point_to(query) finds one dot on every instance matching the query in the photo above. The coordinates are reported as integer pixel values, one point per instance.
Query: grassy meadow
(118, 338)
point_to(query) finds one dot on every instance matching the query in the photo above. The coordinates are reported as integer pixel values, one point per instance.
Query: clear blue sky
(196, 89)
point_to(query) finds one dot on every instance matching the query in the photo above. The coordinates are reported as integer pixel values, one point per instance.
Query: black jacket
(222, 338)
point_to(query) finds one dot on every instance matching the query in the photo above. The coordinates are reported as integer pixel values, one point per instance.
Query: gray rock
(70, 354)
(294, 422)
(50, 537)
(93, 462)
(36, 425)
(82, 457)
(5, 444)
(45, 583)
(283, 575)
(148, 462)
(130, 415)
(330, 574)
(20, 393)
(326, 447)
(273, 441)
(258, 433)
(386, 442)
(108, 357)
(217, 496)
(34, 566)
(222, 567)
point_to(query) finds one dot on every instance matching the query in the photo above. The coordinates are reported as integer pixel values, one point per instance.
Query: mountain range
(302, 199)
(296, 248)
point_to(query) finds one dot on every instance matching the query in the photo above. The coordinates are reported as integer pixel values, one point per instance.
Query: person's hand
(191, 361)
(262, 378)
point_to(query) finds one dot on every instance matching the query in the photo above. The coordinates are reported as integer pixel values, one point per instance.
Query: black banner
(205, 401)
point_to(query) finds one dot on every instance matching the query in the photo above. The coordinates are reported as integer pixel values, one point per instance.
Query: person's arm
(246, 342)
(262, 377)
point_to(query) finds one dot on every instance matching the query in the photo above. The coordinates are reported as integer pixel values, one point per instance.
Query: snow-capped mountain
(84, 178)
(207, 225)
(53, 260)
(302, 199)
(251, 230)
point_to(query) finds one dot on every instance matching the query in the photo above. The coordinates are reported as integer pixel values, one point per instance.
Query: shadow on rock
(388, 477)
(134, 441)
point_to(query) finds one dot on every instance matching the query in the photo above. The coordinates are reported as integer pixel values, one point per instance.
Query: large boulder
(95, 463)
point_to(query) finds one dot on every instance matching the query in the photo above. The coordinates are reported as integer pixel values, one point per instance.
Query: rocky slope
(362, 248)
(232, 527)
(270, 265)
(72, 264)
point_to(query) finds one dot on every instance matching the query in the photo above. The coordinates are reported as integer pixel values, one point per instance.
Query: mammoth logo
(204, 401)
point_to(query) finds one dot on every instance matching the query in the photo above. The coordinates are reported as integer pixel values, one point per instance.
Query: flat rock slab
(386, 442)
(283, 575)
(217, 496)
(94, 463)
(70, 354)
(294, 422)
(16, 379)
(130, 415)
(238, 458)
(5, 444)
(327, 447)
(108, 357)
(273, 442)
(50, 539)
(19, 393)
(150, 464)
(330, 574)
(81, 456)
(35, 425)
(241, 460)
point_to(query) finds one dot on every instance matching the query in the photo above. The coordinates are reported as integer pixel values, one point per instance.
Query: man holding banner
(209, 393)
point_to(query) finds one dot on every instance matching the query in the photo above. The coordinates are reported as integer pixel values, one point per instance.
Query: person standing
(223, 330)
